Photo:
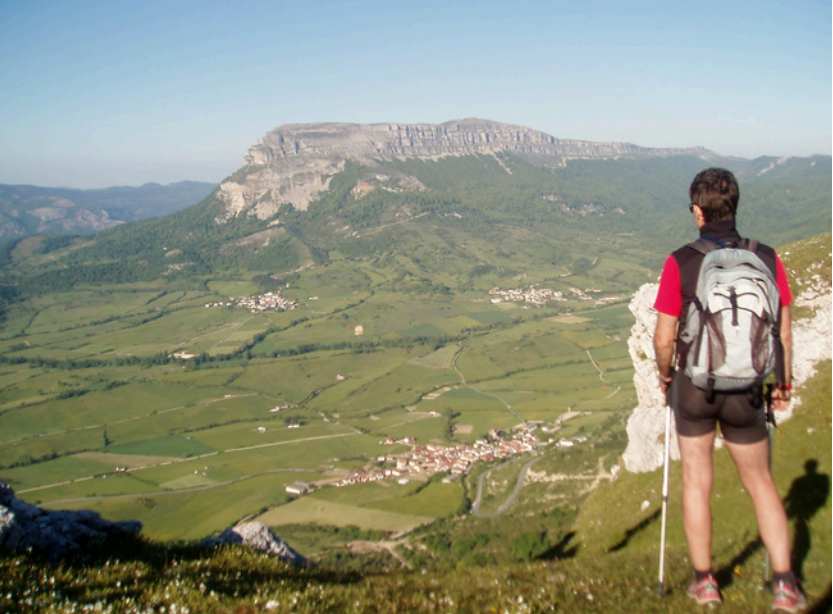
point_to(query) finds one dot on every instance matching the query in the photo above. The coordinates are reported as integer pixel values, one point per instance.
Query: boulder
(260, 537)
(54, 533)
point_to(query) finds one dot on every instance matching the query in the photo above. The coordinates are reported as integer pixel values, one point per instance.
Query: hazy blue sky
(100, 93)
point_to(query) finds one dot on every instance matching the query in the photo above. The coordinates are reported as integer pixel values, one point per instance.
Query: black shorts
(741, 416)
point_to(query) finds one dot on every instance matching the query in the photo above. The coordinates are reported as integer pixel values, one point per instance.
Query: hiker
(714, 195)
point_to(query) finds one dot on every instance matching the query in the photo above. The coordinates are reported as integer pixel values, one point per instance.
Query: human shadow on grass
(641, 526)
(823, 604)
(726, 574)
(807, 495)
(561, 550)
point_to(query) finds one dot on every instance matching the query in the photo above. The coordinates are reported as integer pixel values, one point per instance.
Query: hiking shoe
(705, 591)
(788, 598)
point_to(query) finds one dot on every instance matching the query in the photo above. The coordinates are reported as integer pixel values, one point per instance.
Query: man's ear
(699, 218)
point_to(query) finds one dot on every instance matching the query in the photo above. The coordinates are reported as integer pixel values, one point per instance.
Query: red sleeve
(783, 283)
(670, 296)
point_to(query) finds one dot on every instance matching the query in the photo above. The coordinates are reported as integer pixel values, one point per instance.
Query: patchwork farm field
(97, 413)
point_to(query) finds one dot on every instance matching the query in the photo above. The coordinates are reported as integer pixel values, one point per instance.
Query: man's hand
(664, 336)
(781, 398)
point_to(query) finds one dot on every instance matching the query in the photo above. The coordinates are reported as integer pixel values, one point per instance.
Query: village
(534, 296)
(423, 461)
(271, 301)
(541, 296)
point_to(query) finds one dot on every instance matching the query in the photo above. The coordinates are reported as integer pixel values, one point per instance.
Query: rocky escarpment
(293, 164)
(57, 533)
(646, 426)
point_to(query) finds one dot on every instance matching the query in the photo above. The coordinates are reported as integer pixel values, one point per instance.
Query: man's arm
(664, 337)
(781, 397)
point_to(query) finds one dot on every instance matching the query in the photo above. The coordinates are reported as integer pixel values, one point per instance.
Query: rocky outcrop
(54, 533)
(646, 426)
(58, 533)
(258, 536)
(293, 164)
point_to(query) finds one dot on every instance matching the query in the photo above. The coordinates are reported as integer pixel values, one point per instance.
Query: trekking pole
(661, 587)
(770, 422)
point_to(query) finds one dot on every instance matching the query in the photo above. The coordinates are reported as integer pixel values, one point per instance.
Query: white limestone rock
(646, 426)
(260, 537)
(293, 164)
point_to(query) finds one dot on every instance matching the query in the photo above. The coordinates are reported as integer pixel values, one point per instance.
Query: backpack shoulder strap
(750, 244)
(704, 245)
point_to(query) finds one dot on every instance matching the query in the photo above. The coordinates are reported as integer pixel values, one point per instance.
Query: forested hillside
(474, 217)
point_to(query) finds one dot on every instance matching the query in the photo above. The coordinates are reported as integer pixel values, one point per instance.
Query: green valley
(136, 382)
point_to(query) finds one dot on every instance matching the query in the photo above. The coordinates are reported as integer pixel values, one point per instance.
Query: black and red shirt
(678, 283)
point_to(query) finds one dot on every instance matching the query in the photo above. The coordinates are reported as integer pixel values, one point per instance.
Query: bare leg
(752, 462)
(698, 477)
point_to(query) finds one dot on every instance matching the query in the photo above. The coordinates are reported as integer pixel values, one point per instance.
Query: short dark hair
(716, 192)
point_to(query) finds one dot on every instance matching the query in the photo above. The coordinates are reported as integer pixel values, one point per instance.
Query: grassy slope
(610, 566)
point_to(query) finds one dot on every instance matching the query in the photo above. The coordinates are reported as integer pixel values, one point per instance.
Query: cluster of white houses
(541, 296)
(429, 459)
(426, 460)
(271, 301)
(535, 296)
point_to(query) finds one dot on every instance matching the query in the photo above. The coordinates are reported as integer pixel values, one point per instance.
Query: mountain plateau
(294, 164)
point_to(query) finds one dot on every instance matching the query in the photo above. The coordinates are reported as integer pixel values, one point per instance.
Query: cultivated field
(95, 413)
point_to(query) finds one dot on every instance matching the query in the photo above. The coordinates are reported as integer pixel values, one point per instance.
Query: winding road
(475, 508)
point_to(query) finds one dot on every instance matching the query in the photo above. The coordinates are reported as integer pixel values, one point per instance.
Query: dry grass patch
(309, 510)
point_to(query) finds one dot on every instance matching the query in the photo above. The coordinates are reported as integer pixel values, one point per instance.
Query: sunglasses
(691, 207)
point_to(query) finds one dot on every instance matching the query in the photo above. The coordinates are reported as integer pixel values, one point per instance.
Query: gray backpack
(732, 326)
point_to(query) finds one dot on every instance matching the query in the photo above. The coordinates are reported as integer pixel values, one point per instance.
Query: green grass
(334, 513)
(806, 437)
(421, 426)
(176, 515)
(173, 445)
(608, 564)
(440, 359)
(59, 470)
(437, 500)
(38, 453)
(208, 467)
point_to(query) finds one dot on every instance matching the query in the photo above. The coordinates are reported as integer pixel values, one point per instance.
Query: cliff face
(646, 426)
(293, 164)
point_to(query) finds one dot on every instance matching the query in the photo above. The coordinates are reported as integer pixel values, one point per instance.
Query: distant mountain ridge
(471, 203)
(293, 164)
(27, 209)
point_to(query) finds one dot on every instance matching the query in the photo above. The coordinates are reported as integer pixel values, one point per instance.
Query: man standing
(714, 196)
